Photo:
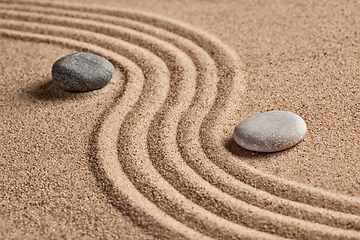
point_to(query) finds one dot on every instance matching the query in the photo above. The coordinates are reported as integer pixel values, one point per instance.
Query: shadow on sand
(242, 153)
(46, 90)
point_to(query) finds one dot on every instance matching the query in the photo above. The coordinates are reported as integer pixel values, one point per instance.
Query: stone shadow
(242, 153)
(46, 90)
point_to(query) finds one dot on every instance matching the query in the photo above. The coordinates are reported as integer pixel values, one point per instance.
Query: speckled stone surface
(270, 131)
(81, 72)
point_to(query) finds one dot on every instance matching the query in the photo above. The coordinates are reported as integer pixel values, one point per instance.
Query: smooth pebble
(270, 131)
(80, 72)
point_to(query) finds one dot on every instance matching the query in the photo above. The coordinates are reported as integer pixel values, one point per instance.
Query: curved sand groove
(287, 207)
(135, 162)
(239, 231)
(258, 179)
(62, 30)
(244, 172)
(170, 164)
(139, 208)
(165, 105)
(290, 190)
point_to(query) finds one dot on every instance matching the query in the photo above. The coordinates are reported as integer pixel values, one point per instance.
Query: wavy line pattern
(180, 82)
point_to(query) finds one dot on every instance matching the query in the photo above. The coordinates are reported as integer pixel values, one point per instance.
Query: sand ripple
(157, 149)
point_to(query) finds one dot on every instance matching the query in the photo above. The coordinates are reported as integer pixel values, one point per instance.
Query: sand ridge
(159, 146)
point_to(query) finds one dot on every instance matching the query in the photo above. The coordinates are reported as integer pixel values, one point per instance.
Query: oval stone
(80, 72)
(270, 131)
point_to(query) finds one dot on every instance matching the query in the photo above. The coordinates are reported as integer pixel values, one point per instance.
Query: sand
(151, 155)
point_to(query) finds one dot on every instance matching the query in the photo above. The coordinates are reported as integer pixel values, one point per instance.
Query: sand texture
(151, 155)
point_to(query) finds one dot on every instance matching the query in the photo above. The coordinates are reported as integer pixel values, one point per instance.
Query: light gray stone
(80, 72)
(270, 131)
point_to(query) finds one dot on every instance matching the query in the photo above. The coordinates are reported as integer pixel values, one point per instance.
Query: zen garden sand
(151, 155)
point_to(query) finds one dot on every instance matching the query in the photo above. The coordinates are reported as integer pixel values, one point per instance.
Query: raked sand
(151, 155)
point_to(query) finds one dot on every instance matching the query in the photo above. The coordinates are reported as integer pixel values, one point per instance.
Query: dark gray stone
(80, 72)
(270, 131)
